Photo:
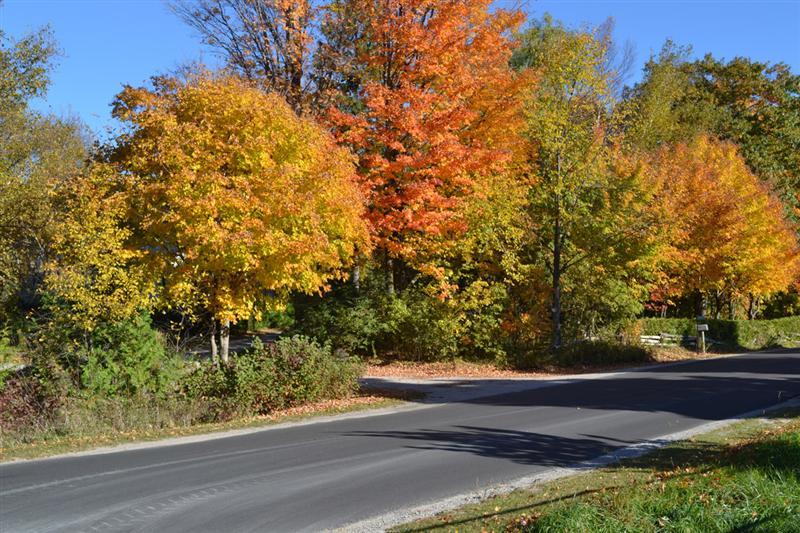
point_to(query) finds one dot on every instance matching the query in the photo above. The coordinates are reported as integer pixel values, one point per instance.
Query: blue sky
(108, 43)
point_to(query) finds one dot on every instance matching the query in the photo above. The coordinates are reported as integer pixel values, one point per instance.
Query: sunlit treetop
(231, 194)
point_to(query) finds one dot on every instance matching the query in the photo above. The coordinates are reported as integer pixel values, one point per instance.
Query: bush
(8, 352)
(412, 324)
(746, 334)
(129, 358)
(289, 372)
(358, 324)
(600, 353)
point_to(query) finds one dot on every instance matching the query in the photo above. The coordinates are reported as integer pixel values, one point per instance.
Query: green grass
(742, 478)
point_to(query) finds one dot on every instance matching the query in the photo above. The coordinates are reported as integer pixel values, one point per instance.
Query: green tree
(586, 201)
(37, 153)
(754, 104)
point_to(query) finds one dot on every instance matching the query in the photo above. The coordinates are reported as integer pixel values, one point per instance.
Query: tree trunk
(224, 339)
(557, 282)
(752, 309)
(357, 277)
(390, 275)
(213, 335)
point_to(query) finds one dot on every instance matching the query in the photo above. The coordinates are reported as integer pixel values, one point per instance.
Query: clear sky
(108, 43)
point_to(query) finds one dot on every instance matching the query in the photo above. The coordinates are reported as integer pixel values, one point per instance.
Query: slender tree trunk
(390, 275)
(213, 335)
(557, 281)
(357, 277)
(752, 309)
(224, 339)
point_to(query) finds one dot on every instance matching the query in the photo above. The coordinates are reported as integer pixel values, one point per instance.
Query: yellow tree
(92, 269)
(728, 235)
(231, 195)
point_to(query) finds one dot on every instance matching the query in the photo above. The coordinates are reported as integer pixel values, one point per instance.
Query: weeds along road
(328, 475)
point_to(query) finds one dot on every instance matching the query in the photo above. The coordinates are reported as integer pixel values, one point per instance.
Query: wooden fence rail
(669, 339)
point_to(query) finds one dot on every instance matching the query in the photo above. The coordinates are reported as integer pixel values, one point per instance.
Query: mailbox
(702, 327)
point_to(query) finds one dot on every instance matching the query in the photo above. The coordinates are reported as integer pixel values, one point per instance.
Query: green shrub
(746, 334)
(412, 324)
(129, 358)
(274, 318)
(428, 329)
(289, 372)
(600, 353)
(358, 324)
(8, 352)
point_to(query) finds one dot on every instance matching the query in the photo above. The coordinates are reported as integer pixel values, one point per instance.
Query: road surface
(328, 475)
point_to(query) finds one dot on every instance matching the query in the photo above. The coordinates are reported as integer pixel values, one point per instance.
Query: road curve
(328, 475)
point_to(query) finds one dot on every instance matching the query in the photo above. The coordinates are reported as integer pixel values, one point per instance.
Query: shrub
(428, 330)
(600, 353)
(412, 324)
(357, 324)
(746, 334)
(289, 372)
(8, 352)
(129, 358)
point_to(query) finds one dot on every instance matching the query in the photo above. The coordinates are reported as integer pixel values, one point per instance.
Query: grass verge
(745, 477)
(48, 444)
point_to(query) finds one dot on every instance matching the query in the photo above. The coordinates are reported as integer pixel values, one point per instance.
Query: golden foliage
(230, 194)
(93, 269)
(726, 230)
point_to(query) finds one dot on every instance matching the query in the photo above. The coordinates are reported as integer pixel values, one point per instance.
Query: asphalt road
(328, 475)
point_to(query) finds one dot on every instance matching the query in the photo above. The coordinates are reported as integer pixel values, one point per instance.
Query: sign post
(701, 329)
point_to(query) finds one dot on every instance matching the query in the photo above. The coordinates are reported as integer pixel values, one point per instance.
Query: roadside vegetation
(745, 477)
(501, 199)
(151, 394)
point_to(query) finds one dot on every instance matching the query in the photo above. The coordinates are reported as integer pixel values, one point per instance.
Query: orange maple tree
(726, 231)
(434, 91)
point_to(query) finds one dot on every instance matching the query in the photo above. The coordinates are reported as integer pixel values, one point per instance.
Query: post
(701, 337)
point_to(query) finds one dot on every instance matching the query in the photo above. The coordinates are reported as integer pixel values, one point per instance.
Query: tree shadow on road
(707, 390)
(519, 446)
